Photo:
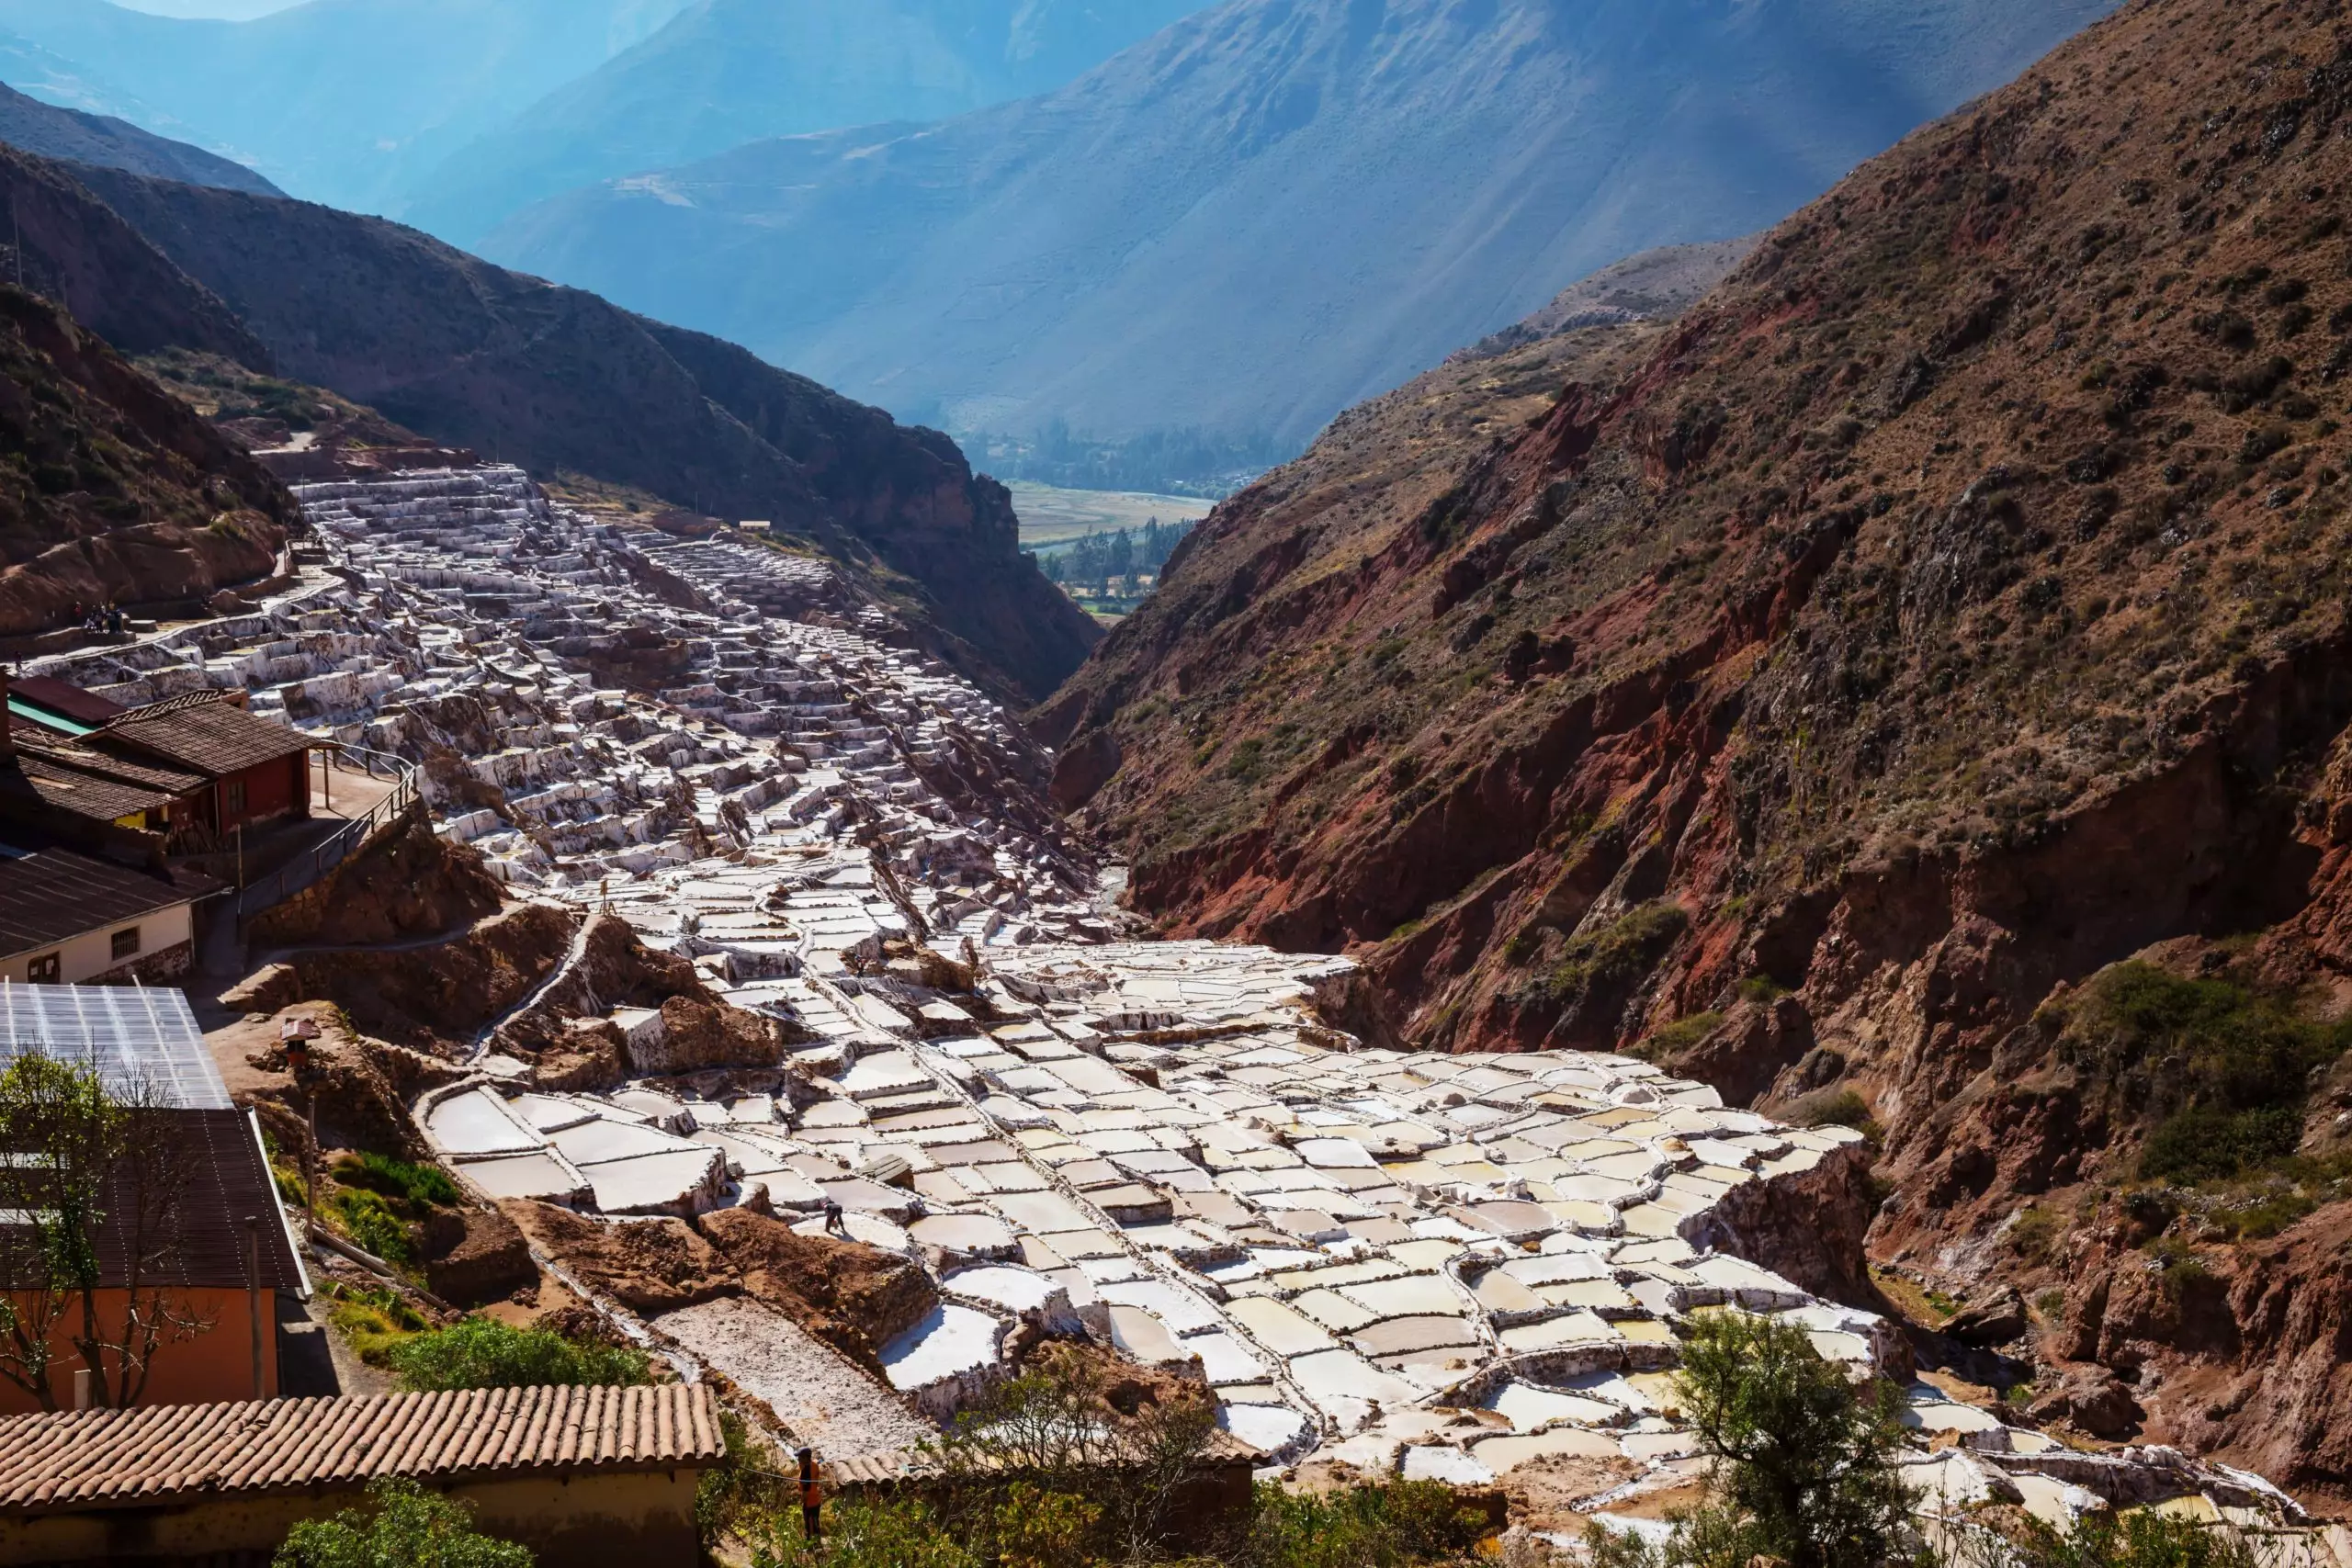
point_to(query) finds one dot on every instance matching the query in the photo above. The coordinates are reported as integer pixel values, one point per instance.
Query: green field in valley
(1051, 518)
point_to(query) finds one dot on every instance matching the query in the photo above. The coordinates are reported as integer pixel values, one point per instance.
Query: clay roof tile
(93, 1458)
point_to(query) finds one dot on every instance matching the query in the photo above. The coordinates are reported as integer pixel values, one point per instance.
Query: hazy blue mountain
(1277, 208)
(114, 143)
(727, 71)
(341, 101)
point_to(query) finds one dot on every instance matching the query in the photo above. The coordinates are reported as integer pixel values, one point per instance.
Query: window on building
(234, 793)
(46, 970)
(126, 941)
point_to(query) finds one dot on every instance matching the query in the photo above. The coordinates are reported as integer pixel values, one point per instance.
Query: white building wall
(92, 952)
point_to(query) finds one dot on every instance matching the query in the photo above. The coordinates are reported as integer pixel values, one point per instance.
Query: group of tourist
(106, 619)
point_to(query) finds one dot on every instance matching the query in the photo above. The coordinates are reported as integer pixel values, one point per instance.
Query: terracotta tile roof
(202, 731)
(179, 1454)
(88, 795)
(82, 759)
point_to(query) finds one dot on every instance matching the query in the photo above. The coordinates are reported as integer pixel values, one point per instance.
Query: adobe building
(586, 1477)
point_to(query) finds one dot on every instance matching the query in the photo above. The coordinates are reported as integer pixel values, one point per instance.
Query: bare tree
(93, 1187)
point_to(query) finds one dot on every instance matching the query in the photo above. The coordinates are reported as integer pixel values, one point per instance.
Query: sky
(234, 10)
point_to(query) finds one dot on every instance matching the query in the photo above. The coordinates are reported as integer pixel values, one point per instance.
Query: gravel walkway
(826, 1401)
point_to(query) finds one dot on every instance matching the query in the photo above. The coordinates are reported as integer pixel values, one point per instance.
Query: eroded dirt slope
(1821, 694)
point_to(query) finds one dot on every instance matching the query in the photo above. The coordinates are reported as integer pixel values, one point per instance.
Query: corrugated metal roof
(63, 697)
(180, 1454)
(130, 1034)
(189, 1224)
(214, 737)
(48, 894)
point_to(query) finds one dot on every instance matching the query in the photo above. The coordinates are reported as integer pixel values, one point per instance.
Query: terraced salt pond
(1452, 1267)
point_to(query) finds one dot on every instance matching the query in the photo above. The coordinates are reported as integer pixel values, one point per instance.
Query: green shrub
(422, 1184)
(736, 1490)
(2035, 1232)
(1679, 1036)
(2220, 1070)
(2139, 1539)
(1762, 989)
(1619, 953)
(1805, 1469)
(1831, 1108)
(371, 1223)
(406, 1527)
(1366, 1527)
(897, 1532)
(482, 1352)
(2202, 1143)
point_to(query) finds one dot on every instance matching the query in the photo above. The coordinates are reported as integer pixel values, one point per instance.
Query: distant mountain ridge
(727, 71)
(1276, 208)
(348, 102)
(56, 132)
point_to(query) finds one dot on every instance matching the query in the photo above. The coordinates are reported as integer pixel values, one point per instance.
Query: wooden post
(310, 1172)
(253, 1298)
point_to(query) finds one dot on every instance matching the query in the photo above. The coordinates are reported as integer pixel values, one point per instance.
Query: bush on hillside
(2222, 1071)
(482, 1352)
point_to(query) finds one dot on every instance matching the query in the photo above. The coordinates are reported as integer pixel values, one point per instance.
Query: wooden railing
(305, 871)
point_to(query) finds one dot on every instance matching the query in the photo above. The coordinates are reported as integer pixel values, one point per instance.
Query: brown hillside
(1948, 608)
(110, 488)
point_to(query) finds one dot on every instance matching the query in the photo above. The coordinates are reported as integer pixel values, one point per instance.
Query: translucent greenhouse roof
(131, 1034)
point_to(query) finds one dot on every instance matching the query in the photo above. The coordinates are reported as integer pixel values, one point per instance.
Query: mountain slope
(1824, 693)
(67, 244)
(1276, 208)
(113, 490)
(347, 102)
(727, 71)
(118, 144)
(557, 380)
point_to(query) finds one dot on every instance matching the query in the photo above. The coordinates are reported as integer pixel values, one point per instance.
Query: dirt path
(823, 1398)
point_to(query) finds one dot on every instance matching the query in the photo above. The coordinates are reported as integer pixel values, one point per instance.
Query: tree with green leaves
(404, 1527)
(93, 1183)
(1803, 1459)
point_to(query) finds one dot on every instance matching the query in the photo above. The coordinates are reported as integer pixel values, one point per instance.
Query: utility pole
(253, 1298)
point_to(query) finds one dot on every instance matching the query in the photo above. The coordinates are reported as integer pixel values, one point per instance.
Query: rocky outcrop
(854, 1298)
(437, 997)
(1808, 1229)
(648, 1266)
(408, 882)
(479, 1257)
(359, 1088)
(695, 1035)
(118, 494)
